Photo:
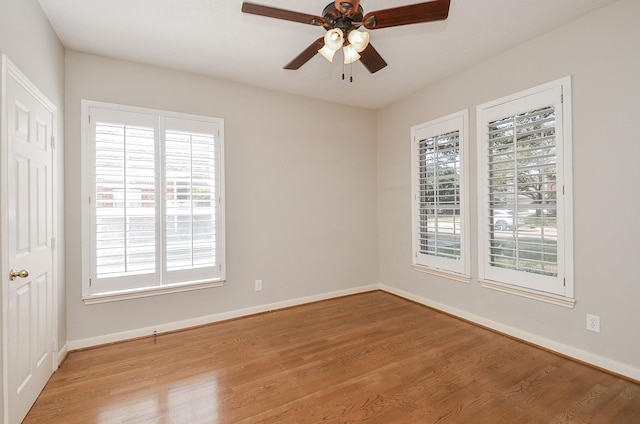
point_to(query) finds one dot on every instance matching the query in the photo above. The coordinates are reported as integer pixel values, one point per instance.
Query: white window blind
(125, 206)
(439, 203)
(525, 222)
(191, 199)
(522, 184)
(155, 185)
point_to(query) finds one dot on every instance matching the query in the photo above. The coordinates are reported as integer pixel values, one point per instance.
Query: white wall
(300, 184)
(601, 54)
(27, 38)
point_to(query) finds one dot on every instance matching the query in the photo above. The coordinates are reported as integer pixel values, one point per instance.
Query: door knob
(22, 274)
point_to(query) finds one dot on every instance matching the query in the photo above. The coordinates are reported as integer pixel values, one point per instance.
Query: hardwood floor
(371, 357)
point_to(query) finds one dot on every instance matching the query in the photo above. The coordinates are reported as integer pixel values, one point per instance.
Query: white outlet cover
(593, 323)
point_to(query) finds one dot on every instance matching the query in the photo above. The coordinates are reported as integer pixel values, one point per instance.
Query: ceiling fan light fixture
(334, 38)
(342, 18)
(327, 53)
(350, 54)
(358, 39)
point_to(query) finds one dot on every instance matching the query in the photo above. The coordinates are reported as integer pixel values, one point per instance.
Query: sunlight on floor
(189, 400)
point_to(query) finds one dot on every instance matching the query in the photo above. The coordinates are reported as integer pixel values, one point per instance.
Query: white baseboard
(62, 353)
(563, 349)
(180, 325)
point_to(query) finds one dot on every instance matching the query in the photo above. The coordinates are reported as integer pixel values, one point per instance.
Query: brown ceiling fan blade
(371, 59)
(287, 15)
(413, 14)
(306, 55)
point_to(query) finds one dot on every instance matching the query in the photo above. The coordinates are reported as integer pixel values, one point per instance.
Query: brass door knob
(13, 274)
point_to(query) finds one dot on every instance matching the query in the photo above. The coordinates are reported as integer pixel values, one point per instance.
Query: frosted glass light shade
(327, 53)
(359, 39)
(350, 54)
(334, 39)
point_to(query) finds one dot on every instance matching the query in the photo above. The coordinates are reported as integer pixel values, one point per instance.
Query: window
(155, 210)
(440, 218)
(525, 190)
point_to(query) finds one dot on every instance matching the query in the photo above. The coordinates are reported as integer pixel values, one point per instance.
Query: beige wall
(601, 54)
(300, 183)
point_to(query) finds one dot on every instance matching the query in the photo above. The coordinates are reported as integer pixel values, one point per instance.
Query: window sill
(530, 294)
(147, 292)
(442, 273)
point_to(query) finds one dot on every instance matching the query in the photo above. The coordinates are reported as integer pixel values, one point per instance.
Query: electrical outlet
(593, 323)
(258, 285)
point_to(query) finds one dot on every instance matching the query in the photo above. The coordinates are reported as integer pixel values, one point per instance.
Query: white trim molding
(153, 291)
(62, 353)
(442, 273)
(554, 299)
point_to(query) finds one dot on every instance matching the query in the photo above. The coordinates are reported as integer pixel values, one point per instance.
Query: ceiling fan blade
(371, 59)
(287, 15)
(306, 55)
(413, 14)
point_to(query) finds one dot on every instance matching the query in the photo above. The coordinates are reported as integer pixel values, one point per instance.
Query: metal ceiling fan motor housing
(343, 21)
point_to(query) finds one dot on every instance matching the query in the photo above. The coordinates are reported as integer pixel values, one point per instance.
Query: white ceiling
(216, 39)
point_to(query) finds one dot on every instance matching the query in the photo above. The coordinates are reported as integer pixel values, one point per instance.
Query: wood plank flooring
(371, 357)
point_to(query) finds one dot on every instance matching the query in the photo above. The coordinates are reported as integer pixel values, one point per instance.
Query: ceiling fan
(342, 21)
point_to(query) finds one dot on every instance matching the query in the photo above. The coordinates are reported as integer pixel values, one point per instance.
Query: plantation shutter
(191, 198)
(522, 229)
(522, 179)
(125, 199)
(438, 198)
(439, 210)
(155, 199)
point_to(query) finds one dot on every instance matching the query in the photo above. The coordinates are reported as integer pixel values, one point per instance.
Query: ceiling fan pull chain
(350, 72)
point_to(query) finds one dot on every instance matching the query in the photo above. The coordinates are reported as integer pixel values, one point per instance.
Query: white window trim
(146, 292)
(565, 299)
(93, 298)
(437, 266)
(442, 273)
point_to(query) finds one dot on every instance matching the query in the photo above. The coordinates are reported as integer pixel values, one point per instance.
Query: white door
(27, 236)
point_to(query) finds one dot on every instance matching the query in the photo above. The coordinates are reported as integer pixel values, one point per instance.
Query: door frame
(9, 70)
